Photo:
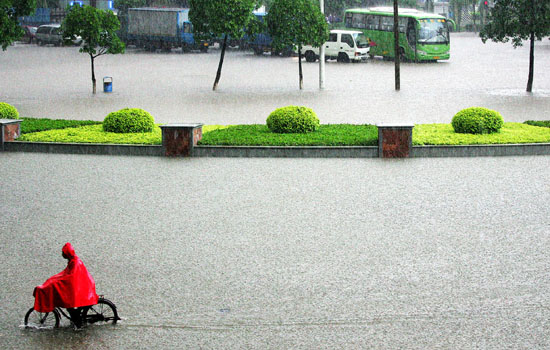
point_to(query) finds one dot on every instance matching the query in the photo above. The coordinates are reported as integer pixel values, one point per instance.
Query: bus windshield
(433, 31)
(361, 40)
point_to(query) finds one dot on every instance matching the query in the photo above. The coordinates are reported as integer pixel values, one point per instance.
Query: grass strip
(511, 133)
(260, 135)
(29, 125)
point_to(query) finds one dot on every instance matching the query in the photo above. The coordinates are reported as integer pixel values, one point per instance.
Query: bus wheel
(310, 56)
(342, 57)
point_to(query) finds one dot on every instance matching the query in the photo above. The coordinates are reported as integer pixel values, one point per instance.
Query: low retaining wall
(534, 149)
(84, 148)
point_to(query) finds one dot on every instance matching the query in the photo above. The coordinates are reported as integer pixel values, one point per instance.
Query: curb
(532, 149)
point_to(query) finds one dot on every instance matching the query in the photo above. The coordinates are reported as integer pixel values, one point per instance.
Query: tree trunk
(219, 73)
(300, 67)
(474, 16)
(93, 74)
(531, 63)
(396, 45)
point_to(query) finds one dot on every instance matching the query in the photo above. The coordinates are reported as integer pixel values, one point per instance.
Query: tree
(97, 28)
(218, 18)
(296, 23)
(519, 20)
(10, 10)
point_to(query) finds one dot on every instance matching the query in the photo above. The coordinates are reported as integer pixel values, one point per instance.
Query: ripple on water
(519, 93)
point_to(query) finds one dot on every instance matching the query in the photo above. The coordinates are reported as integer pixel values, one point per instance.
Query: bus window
(349, 17)
(358, 20)
(433, 31)
(403, 24)
(386, 23)
(373, 22)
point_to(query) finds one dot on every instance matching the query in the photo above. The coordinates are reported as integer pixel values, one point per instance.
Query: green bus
(422, 36)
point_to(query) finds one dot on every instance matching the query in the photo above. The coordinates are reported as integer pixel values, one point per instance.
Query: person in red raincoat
(72, 288)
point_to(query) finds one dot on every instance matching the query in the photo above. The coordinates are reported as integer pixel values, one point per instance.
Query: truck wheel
(310, 56)
(342, 57)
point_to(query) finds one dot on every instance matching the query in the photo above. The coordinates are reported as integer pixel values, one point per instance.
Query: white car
(342, 45)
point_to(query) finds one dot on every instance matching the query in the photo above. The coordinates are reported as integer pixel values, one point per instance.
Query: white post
(322, 55)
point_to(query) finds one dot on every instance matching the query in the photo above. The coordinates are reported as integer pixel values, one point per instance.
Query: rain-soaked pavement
(56, 83)
(284, 253)
(281, 253)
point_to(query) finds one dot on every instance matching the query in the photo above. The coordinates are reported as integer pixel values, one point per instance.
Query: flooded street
(55, 82)
(223, 253)
(284, 253)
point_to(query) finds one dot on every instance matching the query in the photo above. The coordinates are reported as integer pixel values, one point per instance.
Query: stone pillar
(10, 129)
(179, 140)
(395, 140)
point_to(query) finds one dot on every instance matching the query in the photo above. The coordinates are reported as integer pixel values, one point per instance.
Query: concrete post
(395, 140)
(10, 129)
(180, 139)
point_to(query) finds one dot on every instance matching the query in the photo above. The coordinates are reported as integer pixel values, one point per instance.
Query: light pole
(322, 54)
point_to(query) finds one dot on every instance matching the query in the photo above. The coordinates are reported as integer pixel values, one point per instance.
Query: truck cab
(342, 45)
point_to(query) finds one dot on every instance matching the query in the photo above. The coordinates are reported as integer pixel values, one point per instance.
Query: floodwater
(281, 253)
(56, 83)
(284, 253)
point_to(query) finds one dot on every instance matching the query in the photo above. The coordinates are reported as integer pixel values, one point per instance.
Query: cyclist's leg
(76, 318)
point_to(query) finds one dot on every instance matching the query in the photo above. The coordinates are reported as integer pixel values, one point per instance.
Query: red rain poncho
(72, 287)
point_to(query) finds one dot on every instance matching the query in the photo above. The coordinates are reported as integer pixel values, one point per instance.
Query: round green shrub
(292, 119)
(8, 111)
(129, 120)
(477, 120)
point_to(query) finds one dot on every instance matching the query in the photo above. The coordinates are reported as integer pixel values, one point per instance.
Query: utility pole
(322, 54)
(396, 45)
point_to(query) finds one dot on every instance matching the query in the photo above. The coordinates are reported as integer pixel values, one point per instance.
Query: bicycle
(104, 311)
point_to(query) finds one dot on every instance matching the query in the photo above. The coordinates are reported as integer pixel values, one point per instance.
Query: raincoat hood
(68, 250)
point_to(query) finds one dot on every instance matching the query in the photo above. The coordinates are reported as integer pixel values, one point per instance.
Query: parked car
(30, 34)
(342, 45)
(51, 34)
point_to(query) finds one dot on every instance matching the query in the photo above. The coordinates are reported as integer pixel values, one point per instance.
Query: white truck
(342, 45)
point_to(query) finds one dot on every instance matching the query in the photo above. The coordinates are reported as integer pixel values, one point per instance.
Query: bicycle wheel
(103, 312)
(37, 319)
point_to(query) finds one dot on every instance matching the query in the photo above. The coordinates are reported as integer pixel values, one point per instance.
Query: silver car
(51, 34)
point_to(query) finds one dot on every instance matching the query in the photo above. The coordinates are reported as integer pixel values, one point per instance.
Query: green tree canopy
(519, 20)
(10, 10)
(296, 23)
(221, 18)
(97, 28)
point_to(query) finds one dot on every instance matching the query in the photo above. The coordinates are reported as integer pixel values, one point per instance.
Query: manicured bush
(129, 120)
(477, 120)
(292, 119)
(8, 111)
(542, 123)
